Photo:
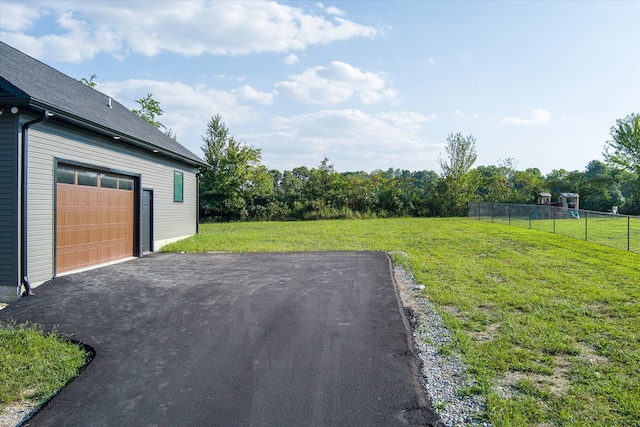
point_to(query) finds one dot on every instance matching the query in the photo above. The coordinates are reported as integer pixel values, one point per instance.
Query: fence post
(585, 225)
(509, 214)
(553, 214)
(628, 233)
(492, 213)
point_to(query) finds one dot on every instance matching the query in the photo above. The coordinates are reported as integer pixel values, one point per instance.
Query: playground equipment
(570, 200)
(569, 203)
(544, 198)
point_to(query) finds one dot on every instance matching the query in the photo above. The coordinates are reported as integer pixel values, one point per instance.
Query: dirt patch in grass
(486, 335)
(588, 354)
(556, 384)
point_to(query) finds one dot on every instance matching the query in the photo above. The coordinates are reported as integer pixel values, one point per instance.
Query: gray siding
(48, 141)
(9, 251)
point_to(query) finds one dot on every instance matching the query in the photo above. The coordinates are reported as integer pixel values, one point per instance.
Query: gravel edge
(442, 376)
(17, 413)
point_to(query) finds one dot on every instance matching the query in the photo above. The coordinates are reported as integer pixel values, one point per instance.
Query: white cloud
(334, 11)
(291, 59)
(351, 138)
(189, 28)
(227, 77)
(17, 16)
(359, 140)
(187, 109)
(410, 120)
(538, 117)
(337, 83)
(248, 93)
(78, 43)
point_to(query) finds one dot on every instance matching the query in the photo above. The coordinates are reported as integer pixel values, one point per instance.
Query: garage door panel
(66, 237)
(86, 196)
(84, 218)
(66, 257)
(93, 225)
(87, 236)
(66, 217)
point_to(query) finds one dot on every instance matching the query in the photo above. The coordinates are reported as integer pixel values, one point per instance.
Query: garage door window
(90, 179)
(107, 181)
(70, 175)
(66, 176)
(125, 184)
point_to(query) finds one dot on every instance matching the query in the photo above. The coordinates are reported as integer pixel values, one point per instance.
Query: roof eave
(112, 133)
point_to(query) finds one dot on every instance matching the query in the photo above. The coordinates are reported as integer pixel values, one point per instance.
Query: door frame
(142, 219)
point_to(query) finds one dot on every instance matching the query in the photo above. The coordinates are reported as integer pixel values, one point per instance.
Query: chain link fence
(618, 231)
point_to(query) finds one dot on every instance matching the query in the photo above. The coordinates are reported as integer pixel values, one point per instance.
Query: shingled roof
(27, 82)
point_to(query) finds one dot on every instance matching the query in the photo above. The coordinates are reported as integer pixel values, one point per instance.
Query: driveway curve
(265, 339)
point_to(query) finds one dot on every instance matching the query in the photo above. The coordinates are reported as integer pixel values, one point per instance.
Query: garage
(85, 181)
(94, 218)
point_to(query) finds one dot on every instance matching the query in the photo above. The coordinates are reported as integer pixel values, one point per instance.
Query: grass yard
(35, 365)
(617, 231)
(548, 326)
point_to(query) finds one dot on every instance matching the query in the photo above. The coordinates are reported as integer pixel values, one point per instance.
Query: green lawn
(34, 365)
(549, 326)
(616, 231)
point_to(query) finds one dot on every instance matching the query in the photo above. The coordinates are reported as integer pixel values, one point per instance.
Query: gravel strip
(442, 376)
(16, 413)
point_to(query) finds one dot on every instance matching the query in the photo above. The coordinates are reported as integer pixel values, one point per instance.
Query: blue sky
(367, 84)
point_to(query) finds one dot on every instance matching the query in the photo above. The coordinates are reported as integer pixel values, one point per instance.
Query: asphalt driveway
(277, 339)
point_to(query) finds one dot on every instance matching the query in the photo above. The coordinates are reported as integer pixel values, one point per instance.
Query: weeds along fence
(618, 231)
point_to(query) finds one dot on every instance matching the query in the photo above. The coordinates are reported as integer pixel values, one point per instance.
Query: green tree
(149, 111)
(623, 149)
(235, 178)
(630, 189)
(527, 185)
(493, 184)
(90, 81)
(556, 182)
(461, 155)
(603, 187)
(456, 187)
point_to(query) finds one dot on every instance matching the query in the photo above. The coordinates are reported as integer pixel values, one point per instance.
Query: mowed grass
(34, 365)
(617, 231)
(548, 326)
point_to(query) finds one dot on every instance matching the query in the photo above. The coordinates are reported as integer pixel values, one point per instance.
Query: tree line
(237, 187)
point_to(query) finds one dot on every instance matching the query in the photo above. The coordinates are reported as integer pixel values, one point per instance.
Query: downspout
(24, 203)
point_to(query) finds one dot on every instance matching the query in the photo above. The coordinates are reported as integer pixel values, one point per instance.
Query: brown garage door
(94, 218)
